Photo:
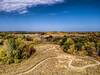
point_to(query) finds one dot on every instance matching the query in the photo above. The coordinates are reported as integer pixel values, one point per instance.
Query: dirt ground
(50, 59)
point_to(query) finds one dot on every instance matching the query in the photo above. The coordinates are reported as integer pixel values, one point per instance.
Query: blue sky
(67, 15)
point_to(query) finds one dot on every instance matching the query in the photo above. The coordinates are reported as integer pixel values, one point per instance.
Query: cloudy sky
(49, 15)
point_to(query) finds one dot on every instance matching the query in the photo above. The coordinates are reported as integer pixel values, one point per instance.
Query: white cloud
(22, 5)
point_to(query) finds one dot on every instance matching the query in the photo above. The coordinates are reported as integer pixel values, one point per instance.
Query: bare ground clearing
(50, 59)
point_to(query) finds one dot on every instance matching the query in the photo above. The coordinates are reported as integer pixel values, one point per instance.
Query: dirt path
(84, 67)
(61, 57)
(33, 67)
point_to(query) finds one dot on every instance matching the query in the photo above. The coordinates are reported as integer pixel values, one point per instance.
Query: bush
(98, 48)
(17, 50)
(2, 53)
(1, 41)
(8, 36)
(28, 38)
(49, 38)
(61, 42)
(9, 60)
(65, 47)
(0, 37)
(11, 44)
(20, 43)
(17, 54)
(31, 49)
(25, 55)
(36, 40)
(78, 46)
(21, 36)
(17, 60)
(83, 53)
(69, 41)
(72, 49)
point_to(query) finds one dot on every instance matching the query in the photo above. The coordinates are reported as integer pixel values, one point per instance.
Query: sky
(49, 15)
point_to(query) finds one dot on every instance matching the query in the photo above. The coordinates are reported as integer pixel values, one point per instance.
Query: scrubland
(49, 53)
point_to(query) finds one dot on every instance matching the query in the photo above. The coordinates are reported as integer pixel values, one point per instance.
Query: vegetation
(15, 50)
(81, 45)
(14, 47)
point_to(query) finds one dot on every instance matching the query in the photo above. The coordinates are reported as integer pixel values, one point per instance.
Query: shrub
(49, 38)
(21, 36)
(2, 53)
(28, 38)
(20, 43)
(8, 36)
(18, 50)
(11, 44)
(25, 55)
(78, 46)
(65, 47)
(90, 48)
(56, 40)
(98, 48)
(17, 60)
(1, 41)
(83, 53)
(0, 37)
(31, 49)
(61, 42)
(9, 60)
(36, 40)
(64, 39)
(72, 49)
(17, 54)
(69, 41)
